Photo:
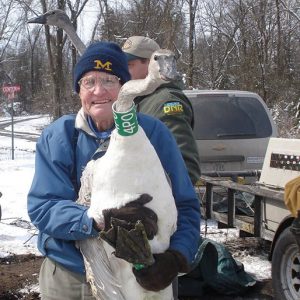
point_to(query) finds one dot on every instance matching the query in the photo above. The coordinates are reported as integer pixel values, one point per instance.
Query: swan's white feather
(129, 168)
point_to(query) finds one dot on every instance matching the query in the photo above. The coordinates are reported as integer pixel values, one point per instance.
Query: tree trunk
(192, 8)
(279, 42)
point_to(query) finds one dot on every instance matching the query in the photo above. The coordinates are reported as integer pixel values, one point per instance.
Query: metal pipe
(247, 173)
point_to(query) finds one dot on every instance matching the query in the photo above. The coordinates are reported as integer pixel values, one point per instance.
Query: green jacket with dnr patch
(169, 104)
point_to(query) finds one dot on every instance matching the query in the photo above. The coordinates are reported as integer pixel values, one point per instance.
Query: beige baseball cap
(137, 47)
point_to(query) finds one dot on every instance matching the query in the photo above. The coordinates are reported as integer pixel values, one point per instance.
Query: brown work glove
(166, 267)
(131, 213)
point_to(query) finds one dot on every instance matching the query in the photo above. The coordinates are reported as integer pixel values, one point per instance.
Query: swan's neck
(126, 121)
(79, 45)
(133, 89)
(124, 109)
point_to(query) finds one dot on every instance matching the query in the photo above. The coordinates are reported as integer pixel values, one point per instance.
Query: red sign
(11, 88)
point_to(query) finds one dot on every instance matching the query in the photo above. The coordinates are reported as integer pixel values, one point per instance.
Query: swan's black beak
(174, 76)
(168, 70)
(38, 20)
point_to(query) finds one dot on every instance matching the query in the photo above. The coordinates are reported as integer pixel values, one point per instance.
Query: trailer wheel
(286, 267)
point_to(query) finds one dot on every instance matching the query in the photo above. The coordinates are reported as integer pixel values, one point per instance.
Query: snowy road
(5, 128)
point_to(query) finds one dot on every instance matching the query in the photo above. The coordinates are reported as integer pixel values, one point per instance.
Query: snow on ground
(22, 148)
(248, 251)
(35, 125)
(18, 236)
(15, 228)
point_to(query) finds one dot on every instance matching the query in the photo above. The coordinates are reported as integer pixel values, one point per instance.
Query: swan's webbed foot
(130, 242)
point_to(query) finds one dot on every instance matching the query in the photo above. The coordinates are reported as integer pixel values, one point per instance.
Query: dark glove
(166, 267)
(131, 213)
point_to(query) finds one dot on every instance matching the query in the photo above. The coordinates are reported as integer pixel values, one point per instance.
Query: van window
(229, 117)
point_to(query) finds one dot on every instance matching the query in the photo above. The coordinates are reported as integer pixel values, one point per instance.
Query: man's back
(167, 103)
(171, 106)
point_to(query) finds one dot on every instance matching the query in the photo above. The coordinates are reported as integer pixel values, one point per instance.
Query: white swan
(129, 168)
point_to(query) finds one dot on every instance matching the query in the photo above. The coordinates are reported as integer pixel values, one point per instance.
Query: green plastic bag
(215, 268)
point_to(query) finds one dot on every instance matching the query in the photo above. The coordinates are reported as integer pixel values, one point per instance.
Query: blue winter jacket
(51, 199)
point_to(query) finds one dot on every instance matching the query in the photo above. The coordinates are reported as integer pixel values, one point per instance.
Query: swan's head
(54, 17)
(163, 65)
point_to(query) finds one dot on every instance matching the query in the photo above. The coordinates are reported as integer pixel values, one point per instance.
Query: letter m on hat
(99, 65)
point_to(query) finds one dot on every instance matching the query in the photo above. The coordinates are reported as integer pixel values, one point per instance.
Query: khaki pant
(58, 283)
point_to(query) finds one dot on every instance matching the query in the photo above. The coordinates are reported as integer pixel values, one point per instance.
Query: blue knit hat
(103, 57)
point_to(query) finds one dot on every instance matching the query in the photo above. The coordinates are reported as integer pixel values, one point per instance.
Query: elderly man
(60, 159)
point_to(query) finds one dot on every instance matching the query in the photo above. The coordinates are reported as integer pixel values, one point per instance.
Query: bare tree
(192, 8)
(279, 40)
(237, 44)
(158, 19)
(218, 41)
(55, 48)
(11, 32)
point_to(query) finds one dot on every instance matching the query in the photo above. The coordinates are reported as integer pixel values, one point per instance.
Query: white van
(232, 129)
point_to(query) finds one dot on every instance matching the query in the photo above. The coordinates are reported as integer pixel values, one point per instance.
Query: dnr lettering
(173, 108)
(99, 65)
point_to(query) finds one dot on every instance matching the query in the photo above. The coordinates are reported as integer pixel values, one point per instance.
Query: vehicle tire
(286, 267)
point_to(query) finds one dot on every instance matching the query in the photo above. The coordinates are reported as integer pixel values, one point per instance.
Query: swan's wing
(84, 195)
(98, 271)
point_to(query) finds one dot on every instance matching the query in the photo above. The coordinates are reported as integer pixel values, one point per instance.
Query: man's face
(138, 68)
(98, 91)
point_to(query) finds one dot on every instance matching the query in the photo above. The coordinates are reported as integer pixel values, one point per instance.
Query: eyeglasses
(108, 82)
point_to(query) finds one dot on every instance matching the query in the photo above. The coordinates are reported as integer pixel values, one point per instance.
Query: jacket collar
(82, 123)
(85, 123)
